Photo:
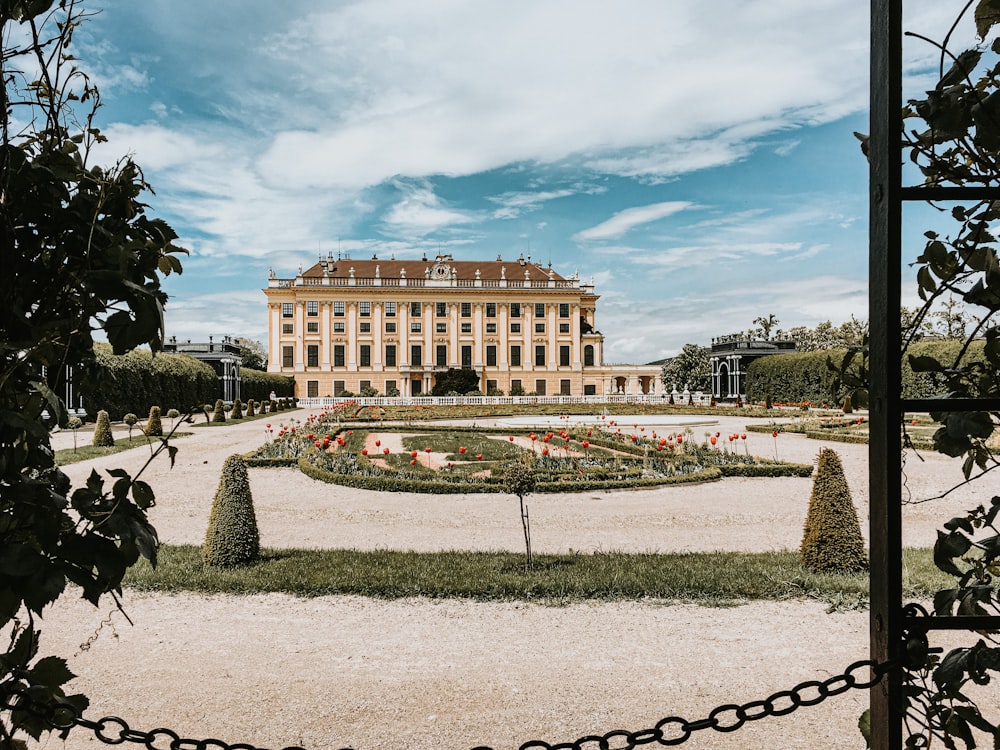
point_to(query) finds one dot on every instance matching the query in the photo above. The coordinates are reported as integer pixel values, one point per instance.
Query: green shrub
(102, 431)
(219, 413)
(832, 541)
(130, 420)
(232, 538)
(154, 425)
(237, 411)
(258, 385)
(848, 407)
(251, 408)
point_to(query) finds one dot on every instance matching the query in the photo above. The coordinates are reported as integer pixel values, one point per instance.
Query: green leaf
(947, 548)
(50, 671)
(865, 726)
(987, 16)
(143, 495)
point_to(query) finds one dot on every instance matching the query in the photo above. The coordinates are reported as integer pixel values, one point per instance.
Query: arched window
(588, 355)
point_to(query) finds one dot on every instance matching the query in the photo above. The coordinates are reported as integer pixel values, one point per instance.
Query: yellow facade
(347, 325)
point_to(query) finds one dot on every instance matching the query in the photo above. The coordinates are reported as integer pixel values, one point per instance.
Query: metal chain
(672, 730)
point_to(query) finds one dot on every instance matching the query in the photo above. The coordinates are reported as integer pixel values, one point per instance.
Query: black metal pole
(885, 216)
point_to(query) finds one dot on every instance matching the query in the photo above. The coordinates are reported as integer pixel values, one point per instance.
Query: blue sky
(699, 166)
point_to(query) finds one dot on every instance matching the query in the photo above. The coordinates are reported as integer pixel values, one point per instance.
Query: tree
(831, 540)
(78, 250)
(765, 325)
(254, 357)
(519, 479)
(232, 538)
(691, 369)
(455, 381)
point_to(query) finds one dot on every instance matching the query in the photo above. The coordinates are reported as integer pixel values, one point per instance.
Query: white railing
(703, 399)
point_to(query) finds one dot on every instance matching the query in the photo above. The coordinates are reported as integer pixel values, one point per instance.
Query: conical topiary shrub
(251, 408)
(848, 407)
(102, 431)
(219, 414)
(237, 411)
(232, 538)
(832, 541)
(154, 425)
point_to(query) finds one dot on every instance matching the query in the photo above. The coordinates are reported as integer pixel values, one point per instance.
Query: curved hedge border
(444, 487)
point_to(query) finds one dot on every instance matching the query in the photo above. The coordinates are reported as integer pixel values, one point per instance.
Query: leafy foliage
(78, 250)
(519, 479)
(832, 541)
(690, 369)
(232, 538)
(453, 380)
(219, 412)
(253, 356)
(259, 385)
(154, 424)
(102, 431)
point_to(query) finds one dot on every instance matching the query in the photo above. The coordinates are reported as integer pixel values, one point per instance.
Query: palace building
(348, 325)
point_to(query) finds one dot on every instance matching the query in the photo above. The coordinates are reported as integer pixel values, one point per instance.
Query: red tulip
(413, 454)
(268, 426)
(413, 462)
(378, 443)
(385, 451)
(774, 434)
(461, 449)
(659, 447)
(427, 449)
(680, 439)
(713, 440)
(479, 456)
(586, 444)
(511, 438)
(545, 451)
(364, 451)
(318, 444)
(743, 436)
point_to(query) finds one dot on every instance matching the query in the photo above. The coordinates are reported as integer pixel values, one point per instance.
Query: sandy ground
(333, 672)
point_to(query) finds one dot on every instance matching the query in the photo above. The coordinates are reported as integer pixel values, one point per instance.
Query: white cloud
(420, 212)
(629, 218)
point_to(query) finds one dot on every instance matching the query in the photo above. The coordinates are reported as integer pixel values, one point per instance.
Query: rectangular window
(365, 309)
(466, 309)
(339, 326)
(515, 387)
(365, 385)
(515, 327)
(441, 309)
(414, 326)
(364, 327)
(338, 387)
(590, 390)
(441, 328)
(390, 387)
(416, 387)
(365, 355)
(466, 357)
(491, 309)
(563, 309)
(416, 356)
(390, 309)
(311, 327)
(515, 309)
(564, 328)
(338, 309)
(491, 386)
(564, 356)
(539, 328)
(287, 356)
(540, 387)
(441, 355)
(287, 310)
(564, 387)
(539, 309)
(390, 327)
(312, 389)
(515, 356)
(491, 328)
(466, 327)
(491, 356)
(540, 355)
(312, 308)
(390, 356)
(338, 355)
(415, 309)
(312, 355)
(287, 328)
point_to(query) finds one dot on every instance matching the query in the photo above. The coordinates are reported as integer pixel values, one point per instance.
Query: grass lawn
(716, 579)
(67, 456)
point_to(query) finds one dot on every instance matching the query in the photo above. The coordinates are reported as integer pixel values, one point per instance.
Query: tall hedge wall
(136, 381)
(258, 385)
(804, 376)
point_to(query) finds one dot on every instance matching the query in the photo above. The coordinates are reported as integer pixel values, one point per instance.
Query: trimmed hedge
(805, 376)
(136, 381)
(831, 540)
(258, 385)
(232, 538)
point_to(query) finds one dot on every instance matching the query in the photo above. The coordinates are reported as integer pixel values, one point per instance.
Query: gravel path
(348, 671)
